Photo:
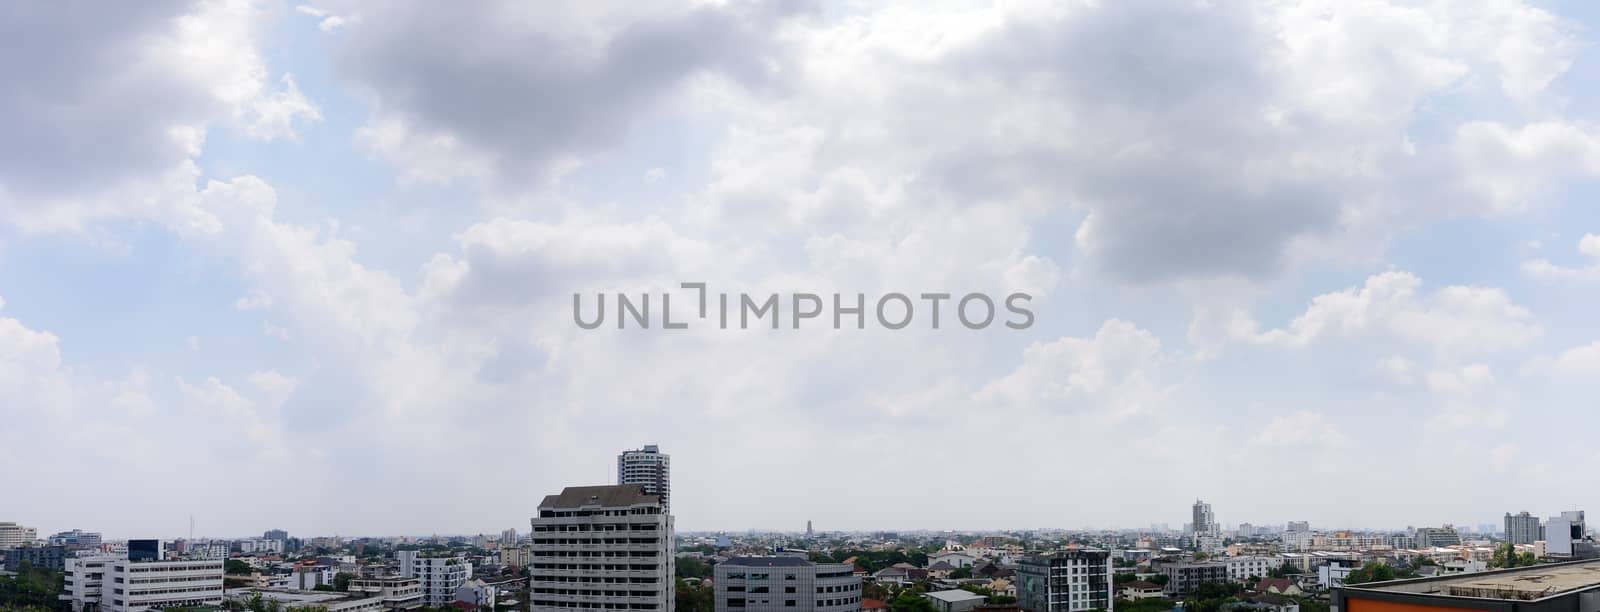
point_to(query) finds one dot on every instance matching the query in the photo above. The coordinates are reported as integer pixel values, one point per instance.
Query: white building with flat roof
(438, 575)
(116, 584)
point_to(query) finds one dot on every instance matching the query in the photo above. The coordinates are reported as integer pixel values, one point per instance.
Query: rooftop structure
(1566, 587)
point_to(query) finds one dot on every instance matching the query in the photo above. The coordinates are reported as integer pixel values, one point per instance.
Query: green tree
(690, 567)
(1370, 572)
(961, 573)
(695, 597)
(909, 601)
(235, 566)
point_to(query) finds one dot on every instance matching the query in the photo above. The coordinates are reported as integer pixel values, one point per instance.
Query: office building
(785, 584)
(649, 467)
(396, 592)
(1206, 533)
(120, 584)
(275, 534)
(76, 538)
(1247, 569)
(1563, 534)
(1523, 528)
(46, 557)
(1431, 537)
(1184, 577)
(602, 548)
(13, 535)
(1065, 581)
(439, 575)
(1558, 587)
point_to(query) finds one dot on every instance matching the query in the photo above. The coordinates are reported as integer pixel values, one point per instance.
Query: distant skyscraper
(808, 529)
(650, 467)
(275, 534)
(1429, 537)
(1523, 528)
(1205, 523)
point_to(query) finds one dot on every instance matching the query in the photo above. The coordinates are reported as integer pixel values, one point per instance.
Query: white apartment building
(1242, 569)
(650, 467)
(785, 584)
(1065, 581)
(116, 584)
(602, 548)
(438, 575)
(13, 535)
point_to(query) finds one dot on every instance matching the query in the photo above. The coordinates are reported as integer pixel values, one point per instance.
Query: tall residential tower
(601, 548)
(650, 467)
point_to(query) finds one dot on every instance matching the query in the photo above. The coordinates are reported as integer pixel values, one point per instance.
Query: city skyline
(313, 265)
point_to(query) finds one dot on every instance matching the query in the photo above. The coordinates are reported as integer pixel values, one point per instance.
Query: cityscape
(799, 305)
(614, 547)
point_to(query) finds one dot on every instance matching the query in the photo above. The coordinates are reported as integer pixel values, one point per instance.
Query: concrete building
(275, 534)
(76, 538)
(396, 592)
(365, 595)
(439, 575)
(602, 548)
(1333, 573)
(1435, 537)
(1523, 528)
(954, 600)
(13, 535)
(1186, 576)
(1562, 534)
(1560, 587)
(1205, 522)
(1065, 581)
(785, 584)
(1246, 570)
(52, 558)
(119, 584)
(650, 467)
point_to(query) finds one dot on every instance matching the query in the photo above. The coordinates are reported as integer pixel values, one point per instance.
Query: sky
(312, 266)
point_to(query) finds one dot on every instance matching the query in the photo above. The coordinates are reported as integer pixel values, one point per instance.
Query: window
(788, 603)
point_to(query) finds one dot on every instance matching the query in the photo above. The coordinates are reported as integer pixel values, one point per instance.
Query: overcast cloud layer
(311, 266)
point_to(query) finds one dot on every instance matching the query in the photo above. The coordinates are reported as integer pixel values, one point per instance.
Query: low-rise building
(954, 600)
(785, 584)
(438, 574)
(118, 584)
(1184, 577)
(1140, 589)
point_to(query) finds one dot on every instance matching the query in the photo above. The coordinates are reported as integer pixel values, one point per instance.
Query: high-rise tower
(650, 467)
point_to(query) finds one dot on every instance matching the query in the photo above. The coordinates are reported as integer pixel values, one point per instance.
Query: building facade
(53, 558)
(438, 575)
(602, 548)
(1523, 528)
(13, 535)
(649, 467)
(1246, 570)
(1205, 524)
(1065, 581)
(1430, 537)
(785, 584)
(1183, 578)
(118, 584)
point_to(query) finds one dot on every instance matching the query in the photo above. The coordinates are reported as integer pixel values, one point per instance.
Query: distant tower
(1205, 523)
(650, 467)
(809, 532)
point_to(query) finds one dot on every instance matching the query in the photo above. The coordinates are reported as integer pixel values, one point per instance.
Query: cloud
(541, 87)
(1304, 130)
(1542, 269)
(108, 106)
(1454, 320)
(1302, 429)
(1111, 374)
